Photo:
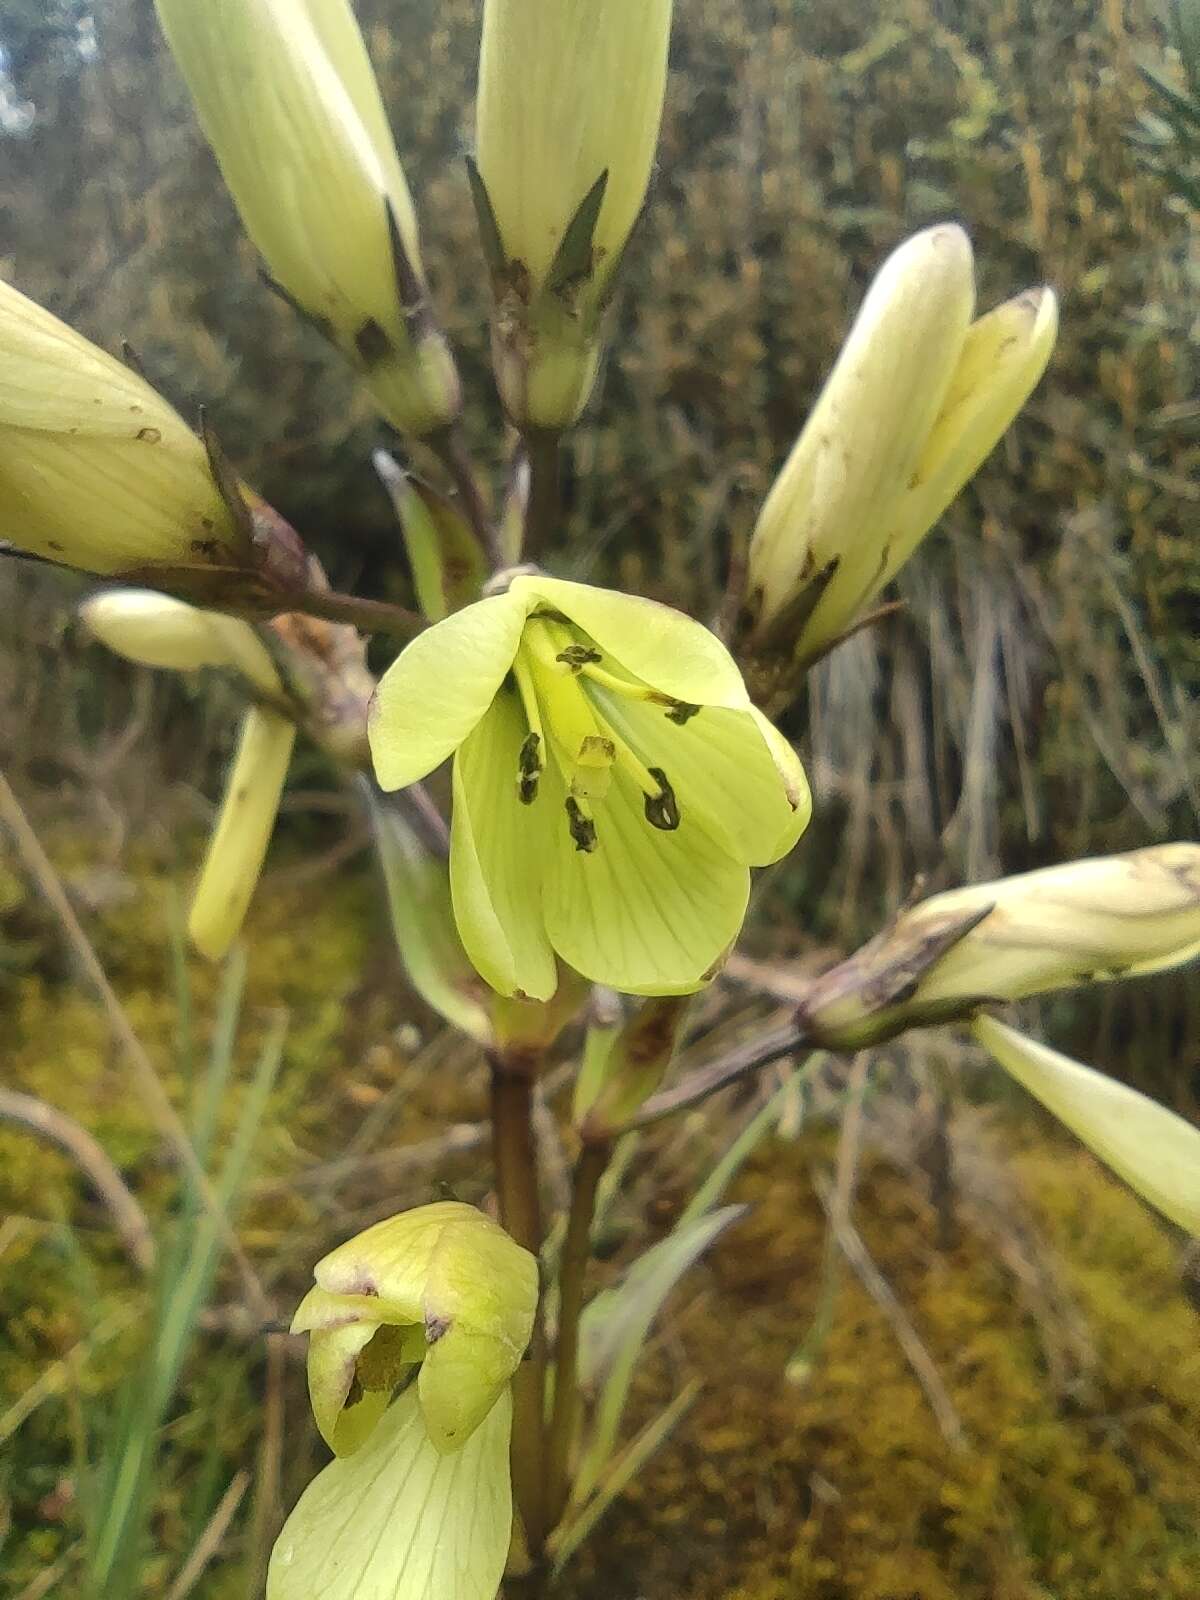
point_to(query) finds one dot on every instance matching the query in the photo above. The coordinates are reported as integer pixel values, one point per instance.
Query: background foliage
(1037, 700)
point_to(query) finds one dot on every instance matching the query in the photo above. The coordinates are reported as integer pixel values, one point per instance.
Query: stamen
(578, 655)
(679, 711)
(583, 828)
(529, 761)
(529, 767)
(662, 809)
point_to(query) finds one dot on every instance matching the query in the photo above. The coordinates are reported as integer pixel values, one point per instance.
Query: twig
(209, 1542)
(925, 1370)
(740, 1062)
(268, 1511)
(89, 1156)
(368, 616)
(170, 1124)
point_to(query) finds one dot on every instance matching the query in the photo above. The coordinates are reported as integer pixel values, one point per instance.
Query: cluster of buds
(917, 399)
(570, 101)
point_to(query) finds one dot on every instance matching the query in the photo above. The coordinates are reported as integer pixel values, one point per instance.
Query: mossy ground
(840, 1487)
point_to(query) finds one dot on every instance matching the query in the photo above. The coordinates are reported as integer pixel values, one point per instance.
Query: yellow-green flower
(440, 1295)
(97, 471)
(613, 784)
(285, 93)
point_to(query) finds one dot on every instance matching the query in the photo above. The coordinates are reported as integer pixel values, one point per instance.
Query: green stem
(515, 1154)
(545, 499)
(576, 1252)
(369, 616)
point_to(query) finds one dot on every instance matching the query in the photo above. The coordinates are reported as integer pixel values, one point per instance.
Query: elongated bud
(418, 889)
(623, 1066)
(97, 471)
(156, 630)
(287, 98)
(448, 565)
(570, 101)
(1156, 1152)
(1085, 922)
(866, 432)
(917, 400)
(440, 1294)
(243, 830)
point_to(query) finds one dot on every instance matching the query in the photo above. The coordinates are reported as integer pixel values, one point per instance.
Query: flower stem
(545, 499)
(451, 450)
(369, 616)
(576, 1252)
(770, 1045)
(515, 1153)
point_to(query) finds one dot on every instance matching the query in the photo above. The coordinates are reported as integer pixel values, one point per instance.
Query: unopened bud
(917, 400)
(1081, 923)
(290, 105)
(440, 1295)
(156, 630)
(570, 101)
(243, 830)
(97, 471)
(1156, 1152)
(623, 1066)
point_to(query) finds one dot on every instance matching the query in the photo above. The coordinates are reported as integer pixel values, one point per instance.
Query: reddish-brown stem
(515, 1153)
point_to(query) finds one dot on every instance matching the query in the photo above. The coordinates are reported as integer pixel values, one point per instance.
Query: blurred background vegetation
(1037, 699)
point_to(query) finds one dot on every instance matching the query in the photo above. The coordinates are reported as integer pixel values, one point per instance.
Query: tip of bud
(389, 471)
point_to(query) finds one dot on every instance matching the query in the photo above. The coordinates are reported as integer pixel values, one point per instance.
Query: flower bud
(1156, 1152)
(96, 469)
(1084, 922)
(440, 1294)
(287, 98)
(570, 101)
(157, 631)
(916, 401)
(622, 1067)
(243, 830)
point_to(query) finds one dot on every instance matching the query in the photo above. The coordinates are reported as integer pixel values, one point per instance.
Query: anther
(681, 711)
(529, 768)
(662, 809)
(576, 656)
(583, 829)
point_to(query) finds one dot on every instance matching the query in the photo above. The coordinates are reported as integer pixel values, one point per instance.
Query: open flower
(613, 784)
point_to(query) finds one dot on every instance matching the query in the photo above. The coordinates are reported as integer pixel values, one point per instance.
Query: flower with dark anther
(613, 784)
(415, 1330)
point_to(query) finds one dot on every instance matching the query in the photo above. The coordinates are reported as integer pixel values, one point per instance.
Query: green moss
(843, 1488)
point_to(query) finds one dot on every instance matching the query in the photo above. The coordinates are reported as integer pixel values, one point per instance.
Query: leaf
(621, 1474)
(614, 1327)
(401, 1521)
